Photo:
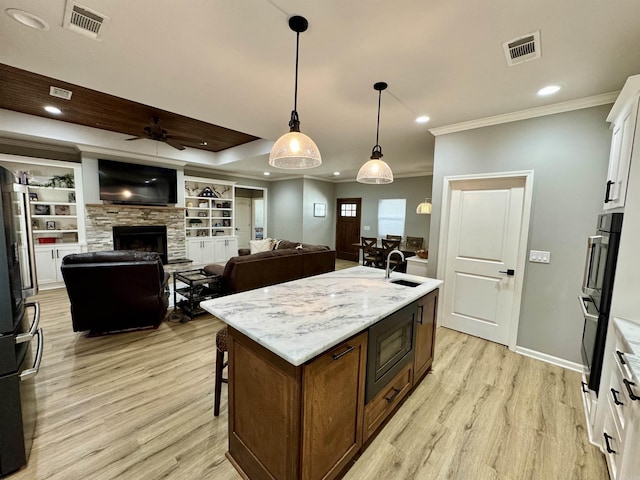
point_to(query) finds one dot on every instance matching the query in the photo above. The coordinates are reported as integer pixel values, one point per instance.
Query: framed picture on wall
(319, 209)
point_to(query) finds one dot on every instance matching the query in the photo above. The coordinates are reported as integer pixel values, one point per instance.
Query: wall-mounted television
(128, 183)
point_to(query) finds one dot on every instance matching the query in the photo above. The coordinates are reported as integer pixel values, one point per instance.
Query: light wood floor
(139, 406)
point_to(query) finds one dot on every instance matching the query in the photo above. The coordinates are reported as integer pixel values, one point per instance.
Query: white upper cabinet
(624, 120)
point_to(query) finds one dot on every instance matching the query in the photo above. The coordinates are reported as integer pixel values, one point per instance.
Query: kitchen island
(298, 364)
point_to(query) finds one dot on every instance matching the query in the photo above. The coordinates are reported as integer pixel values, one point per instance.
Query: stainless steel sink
(405, 283)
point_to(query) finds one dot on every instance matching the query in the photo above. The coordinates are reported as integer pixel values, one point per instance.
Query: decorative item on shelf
(33, 197)
(376, 171)
(218, 205)
(192, 191)
(195, 221)
(62, 210)
(202, 233)
(202, 214)
(226, 214)
(422, 253)
(294, 149)
(319, 209)
(42, 210)
(46, 239)
(221, 194)
(72, 197)
(226, 204)
(203, 205)
(189, 204)
(61, 181)
(35, 224)
(424, 208)
(51, 225)
(226, 223)
(217, 224)
(69, 238)
(207, 193)
(218, 232)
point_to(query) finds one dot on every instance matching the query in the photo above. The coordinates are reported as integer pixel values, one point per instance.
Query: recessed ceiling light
(266, 174)
(27, 19)
(549, 90)
(54, 110)
(422, 119)
(204, 144)
(336, 174)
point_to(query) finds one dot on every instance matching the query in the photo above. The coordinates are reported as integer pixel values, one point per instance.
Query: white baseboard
(560, 362)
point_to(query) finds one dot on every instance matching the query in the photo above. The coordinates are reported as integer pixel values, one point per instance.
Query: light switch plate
(538, 256)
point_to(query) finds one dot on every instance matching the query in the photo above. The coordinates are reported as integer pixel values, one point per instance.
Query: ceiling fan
(154, 131)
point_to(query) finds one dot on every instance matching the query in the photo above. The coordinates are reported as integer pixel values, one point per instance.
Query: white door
(483, 241)
(243, 221)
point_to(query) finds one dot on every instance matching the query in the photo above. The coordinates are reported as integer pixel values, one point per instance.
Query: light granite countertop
(630, 332)
(301, 319)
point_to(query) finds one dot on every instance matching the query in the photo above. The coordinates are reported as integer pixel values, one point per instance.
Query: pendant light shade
(424, 208)
(295, 150)
(376, 171)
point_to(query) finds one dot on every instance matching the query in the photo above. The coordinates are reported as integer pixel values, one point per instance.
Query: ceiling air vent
(60, 92)
(83, 20)
(522, 49)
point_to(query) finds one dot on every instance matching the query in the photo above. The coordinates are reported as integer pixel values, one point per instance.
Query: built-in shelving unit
(209, 207)
(209, 220)
(56, 207)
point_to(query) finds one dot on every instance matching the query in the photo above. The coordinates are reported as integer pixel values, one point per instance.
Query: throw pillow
(275, 244)
(258, 246)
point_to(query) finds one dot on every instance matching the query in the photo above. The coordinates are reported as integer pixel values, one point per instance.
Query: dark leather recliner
(115, 290)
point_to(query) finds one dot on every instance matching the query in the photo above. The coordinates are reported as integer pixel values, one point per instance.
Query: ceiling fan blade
(135, 138)
(174, 144)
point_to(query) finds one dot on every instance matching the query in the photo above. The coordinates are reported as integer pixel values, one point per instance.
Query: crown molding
(588, 102)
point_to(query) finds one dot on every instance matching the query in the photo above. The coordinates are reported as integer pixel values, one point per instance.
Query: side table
(199, 286)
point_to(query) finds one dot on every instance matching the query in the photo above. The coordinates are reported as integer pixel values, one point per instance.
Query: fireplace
(142, 238)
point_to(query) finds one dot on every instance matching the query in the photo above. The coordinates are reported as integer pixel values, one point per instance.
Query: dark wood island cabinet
(289, 422)
(298, 391)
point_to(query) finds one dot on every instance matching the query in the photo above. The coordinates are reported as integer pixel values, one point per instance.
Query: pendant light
(376, 171)
(295, 150)
(424, 208)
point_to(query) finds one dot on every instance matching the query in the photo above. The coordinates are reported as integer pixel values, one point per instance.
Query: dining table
(407, 250)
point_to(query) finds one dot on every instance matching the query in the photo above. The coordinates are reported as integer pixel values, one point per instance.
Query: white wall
(569, 153)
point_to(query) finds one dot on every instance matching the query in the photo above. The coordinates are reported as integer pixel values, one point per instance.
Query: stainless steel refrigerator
(21, 339)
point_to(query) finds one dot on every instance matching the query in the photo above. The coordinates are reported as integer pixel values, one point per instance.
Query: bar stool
(221, 348)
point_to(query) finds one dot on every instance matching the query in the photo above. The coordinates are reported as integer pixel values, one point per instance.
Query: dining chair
(415, 242)
(221, 348)
(394, 237)
(370, 253)
(388, 245)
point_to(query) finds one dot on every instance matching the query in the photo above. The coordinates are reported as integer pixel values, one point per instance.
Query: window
(348, 209)
(391, 214)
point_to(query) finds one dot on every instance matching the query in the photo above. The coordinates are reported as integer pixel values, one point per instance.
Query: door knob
(510, 272)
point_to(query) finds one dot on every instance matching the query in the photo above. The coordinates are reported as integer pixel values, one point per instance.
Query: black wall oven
(597, 287)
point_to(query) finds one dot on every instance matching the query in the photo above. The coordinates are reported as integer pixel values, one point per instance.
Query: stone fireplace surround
(100, 220)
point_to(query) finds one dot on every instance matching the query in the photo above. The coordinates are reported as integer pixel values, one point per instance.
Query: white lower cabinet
(621, 401)
(48, 262)
(225, 248)
(200, 250)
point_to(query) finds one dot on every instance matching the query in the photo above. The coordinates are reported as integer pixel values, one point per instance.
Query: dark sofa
(249, 271)
(115, 290)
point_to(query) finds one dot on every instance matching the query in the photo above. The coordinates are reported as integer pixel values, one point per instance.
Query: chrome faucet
(389, 256)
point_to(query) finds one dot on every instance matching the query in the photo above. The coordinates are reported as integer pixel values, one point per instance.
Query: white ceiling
(231, 63)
